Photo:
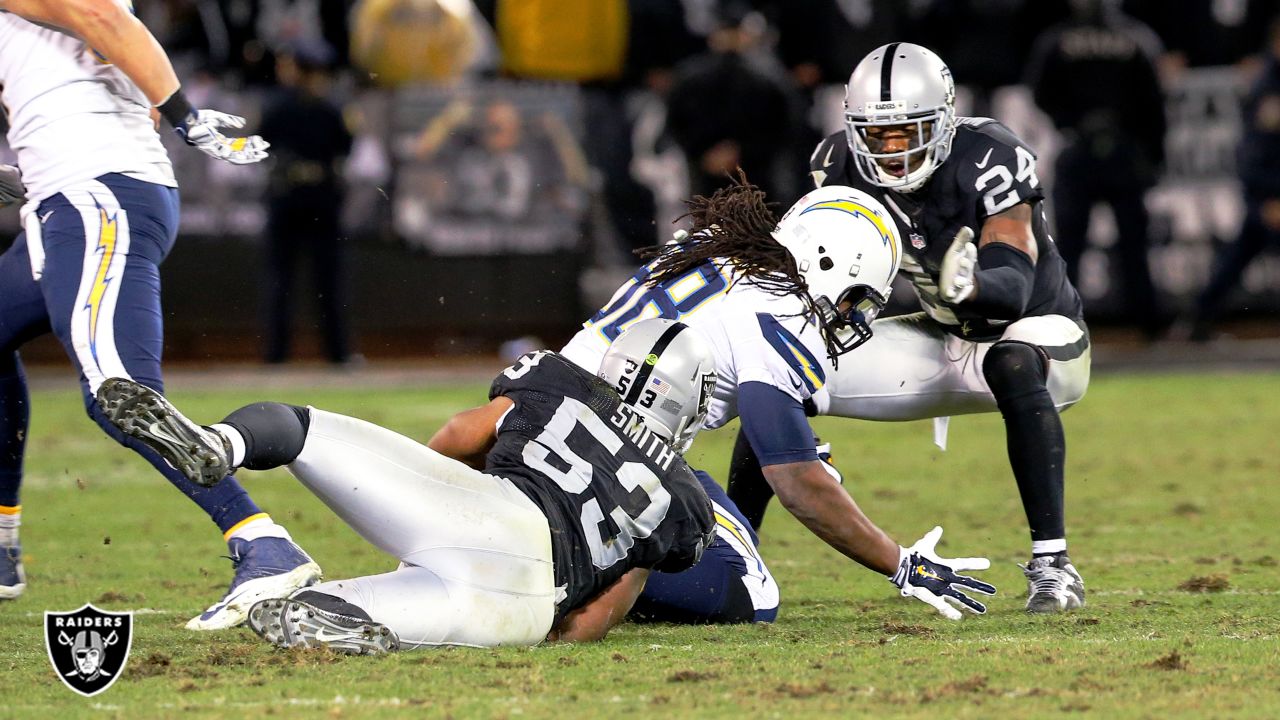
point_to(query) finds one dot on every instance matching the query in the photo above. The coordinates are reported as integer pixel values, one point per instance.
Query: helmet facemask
(848, 328)
(929, 144)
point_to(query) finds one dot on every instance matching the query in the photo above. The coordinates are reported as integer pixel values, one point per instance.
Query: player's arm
(595, 619)
(779, 432)
(996, 276)
(109, 28)
(469, 436)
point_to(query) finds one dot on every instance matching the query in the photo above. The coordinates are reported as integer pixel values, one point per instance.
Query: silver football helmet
(906, 87)
(846, 248)
(665, 371)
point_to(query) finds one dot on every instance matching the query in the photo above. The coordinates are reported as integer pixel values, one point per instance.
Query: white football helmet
(846, 248)
(665, 371)
(900, 84)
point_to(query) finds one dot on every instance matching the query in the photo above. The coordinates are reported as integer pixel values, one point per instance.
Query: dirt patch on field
(1216, 582)
(1171, 662)
(893, 628)
(968, 686)
(157, 663)
(691, 676)
(800, 690)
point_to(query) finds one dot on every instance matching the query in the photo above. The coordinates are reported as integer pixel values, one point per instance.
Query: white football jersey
(756, 336)
(72, 116)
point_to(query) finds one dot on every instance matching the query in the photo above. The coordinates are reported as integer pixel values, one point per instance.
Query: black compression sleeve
(1006, 276)
(177, 109)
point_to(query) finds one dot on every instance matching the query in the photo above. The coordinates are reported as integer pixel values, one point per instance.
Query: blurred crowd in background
(568, 132)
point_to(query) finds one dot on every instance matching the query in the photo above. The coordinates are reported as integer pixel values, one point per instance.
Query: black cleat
(291, 623)
(202, 455)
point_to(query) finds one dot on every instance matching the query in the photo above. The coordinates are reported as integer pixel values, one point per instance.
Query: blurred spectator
(1259, 166)
(734, 107)
(309, 140)
(1095, 77)
(1199, 33)
(985, 42)
(414, 41)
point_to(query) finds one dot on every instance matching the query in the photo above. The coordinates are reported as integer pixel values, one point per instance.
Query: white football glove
(926, 577)
(11, 187)
(200, 130)
(958, 265)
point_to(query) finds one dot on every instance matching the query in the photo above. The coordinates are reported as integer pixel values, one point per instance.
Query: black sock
(1037, 449)
(273, 433)
(747, 487)
(332, 603)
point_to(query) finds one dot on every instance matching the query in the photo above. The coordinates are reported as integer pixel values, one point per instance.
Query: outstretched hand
(955, 281)
(201, 131)
(925, 576)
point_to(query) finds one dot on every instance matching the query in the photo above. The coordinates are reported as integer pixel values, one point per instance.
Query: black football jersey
(989, 171)
(616, 496)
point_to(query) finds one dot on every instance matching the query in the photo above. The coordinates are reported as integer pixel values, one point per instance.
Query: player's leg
(328, 266)
(1040, 365)
(279, 275)
(1128, 204)
(22, 317)
(103, 243)
(730, 584)
(1229, 266)
(910, 369)
(488, 543)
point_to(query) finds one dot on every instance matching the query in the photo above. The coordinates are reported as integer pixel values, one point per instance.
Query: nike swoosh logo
(45, 218)
(985, 158)
(322, 635)
(826, 161)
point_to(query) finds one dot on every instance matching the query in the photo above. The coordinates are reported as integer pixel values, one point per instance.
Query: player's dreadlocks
(734, 224)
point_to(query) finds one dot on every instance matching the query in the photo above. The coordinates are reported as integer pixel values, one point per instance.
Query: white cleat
(1053, 585)
(293, 623)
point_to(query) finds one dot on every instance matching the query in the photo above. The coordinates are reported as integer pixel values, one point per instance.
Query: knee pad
(1014, 369)
(274, 433)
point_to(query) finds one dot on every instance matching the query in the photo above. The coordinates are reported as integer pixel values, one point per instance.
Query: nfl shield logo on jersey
(917, 241)
(88, 647)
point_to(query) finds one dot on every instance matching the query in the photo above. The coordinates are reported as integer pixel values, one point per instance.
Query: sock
(10, 519)
(1033, 430)
(256, 526)
(747, 487)
(1040, 548)
(234, 439)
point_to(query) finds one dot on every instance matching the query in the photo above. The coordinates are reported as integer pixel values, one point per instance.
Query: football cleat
(13, 580)
(1053, 585)
(202, 455)
(291, 623)
(266, 567)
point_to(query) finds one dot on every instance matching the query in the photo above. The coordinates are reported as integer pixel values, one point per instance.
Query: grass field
(1172, 506)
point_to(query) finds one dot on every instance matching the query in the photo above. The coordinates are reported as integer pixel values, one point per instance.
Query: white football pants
(912, 369)
(475, 551)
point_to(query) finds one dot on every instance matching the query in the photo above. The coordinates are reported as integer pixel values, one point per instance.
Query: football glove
(958, 265)
(200, 130)
(11, 187)
(926, 577)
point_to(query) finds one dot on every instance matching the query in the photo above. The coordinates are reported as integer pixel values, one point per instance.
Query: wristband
(177, 110)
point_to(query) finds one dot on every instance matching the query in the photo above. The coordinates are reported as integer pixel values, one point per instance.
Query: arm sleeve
(1006, 278)
(775, 425)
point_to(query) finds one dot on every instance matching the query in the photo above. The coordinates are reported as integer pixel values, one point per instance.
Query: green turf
(1171, 478)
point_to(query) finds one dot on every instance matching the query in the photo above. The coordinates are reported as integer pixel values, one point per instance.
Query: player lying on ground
(581, 494)
(779, 301)
(1002, 327)
(83, 82)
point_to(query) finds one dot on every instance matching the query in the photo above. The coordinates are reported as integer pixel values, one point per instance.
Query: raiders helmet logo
(88, 647)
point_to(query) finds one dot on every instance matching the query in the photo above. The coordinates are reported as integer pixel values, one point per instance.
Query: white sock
(10, 519)
(257, 526)
(235, 439)
(1048, 547)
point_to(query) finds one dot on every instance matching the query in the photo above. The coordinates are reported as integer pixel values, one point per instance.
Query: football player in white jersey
(83, 82)
(780, 302)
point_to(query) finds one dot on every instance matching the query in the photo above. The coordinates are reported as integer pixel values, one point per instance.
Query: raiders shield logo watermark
(88, 647)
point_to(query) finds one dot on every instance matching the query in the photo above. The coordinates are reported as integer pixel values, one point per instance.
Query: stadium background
(441, 265)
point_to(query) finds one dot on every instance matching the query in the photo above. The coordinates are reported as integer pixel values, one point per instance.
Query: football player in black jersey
(567, 496)
(1002, 327)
